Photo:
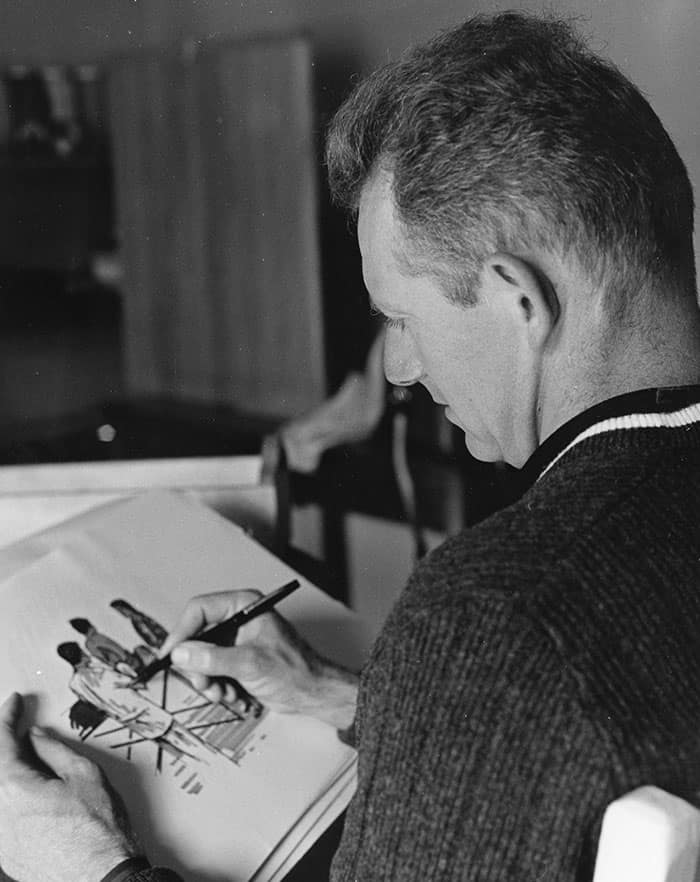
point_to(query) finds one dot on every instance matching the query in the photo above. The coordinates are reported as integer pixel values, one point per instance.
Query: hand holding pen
(225, 633)
(269, 658)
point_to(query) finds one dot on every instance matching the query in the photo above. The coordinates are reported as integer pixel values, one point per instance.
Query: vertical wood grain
(216, 199)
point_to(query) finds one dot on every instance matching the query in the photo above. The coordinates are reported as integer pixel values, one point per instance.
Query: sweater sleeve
(476, 760)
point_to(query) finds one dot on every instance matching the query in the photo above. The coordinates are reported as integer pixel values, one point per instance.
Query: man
(526, 228)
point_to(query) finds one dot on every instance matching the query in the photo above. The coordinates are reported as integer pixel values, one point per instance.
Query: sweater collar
(667, 407)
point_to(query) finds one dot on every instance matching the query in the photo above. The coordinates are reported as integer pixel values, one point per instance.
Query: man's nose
(402, 365)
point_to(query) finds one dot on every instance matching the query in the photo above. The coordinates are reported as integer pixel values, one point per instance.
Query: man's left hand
(58, 817)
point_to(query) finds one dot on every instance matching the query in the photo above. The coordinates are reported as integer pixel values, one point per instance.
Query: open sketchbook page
(214, 790)
(168, 538)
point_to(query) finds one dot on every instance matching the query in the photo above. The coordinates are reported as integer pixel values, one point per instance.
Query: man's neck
(669, 355)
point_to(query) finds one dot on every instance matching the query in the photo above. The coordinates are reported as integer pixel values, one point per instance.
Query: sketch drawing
(147, 628)
(164, 716)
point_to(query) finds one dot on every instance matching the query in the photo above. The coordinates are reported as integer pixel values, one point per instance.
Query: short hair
(81, 625)
(507, 133)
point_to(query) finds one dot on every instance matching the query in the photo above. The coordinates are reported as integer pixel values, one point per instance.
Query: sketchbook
(221, 792)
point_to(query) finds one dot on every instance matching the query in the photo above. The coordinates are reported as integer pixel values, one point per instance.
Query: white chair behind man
(649, 835)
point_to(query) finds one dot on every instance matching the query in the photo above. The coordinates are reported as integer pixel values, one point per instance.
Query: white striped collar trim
(675, 419)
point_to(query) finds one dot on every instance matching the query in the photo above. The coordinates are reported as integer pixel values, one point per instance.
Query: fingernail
(39, 733)
(181, 655)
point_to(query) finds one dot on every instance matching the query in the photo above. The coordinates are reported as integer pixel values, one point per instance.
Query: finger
(214, 692)
(10, 717)
(199, 681)
(229, 692)
(240, 662)
(17, 750)
(203, 611)
(60, 759)
(222, 690)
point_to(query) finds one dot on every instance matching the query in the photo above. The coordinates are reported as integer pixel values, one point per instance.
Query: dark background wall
(654, 41)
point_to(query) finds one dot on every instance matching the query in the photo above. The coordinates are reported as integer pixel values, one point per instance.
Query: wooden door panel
(216, 197)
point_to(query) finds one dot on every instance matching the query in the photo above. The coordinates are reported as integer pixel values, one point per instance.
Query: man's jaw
(471, 441)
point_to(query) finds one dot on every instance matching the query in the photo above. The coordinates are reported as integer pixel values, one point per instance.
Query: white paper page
(165, 539)
(292, 849)
(237, 803)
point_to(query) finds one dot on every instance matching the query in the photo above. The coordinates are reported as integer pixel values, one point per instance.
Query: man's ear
(528, 296)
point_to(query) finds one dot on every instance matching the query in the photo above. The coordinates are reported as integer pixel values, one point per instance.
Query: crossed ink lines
(192, 784)
(103, 668)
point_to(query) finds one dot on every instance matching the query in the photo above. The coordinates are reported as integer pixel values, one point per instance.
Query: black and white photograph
(349, 441)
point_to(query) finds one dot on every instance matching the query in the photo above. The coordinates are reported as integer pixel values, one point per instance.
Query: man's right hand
(270, 659)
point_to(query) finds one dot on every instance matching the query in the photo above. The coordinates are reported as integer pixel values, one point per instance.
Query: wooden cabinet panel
(217, 214)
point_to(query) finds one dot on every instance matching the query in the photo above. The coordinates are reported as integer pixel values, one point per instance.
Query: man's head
(71, 652)
(510, 155)
(508, 134)
(81, 625)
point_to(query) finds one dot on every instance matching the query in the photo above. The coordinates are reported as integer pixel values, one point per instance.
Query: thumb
(10, 716)
(240, 662)
(57, 756)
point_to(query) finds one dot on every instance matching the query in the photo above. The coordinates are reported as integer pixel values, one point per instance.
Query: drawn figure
(107, 650)
(168, 713)
(144, 654)
(111, 692)
(85, 717)
(147, 628)
(153, 633)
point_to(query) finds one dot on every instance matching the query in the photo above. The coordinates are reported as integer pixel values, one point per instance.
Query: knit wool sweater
(535, 668)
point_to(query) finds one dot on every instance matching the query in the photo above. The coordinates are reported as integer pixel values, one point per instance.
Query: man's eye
(388, 322)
